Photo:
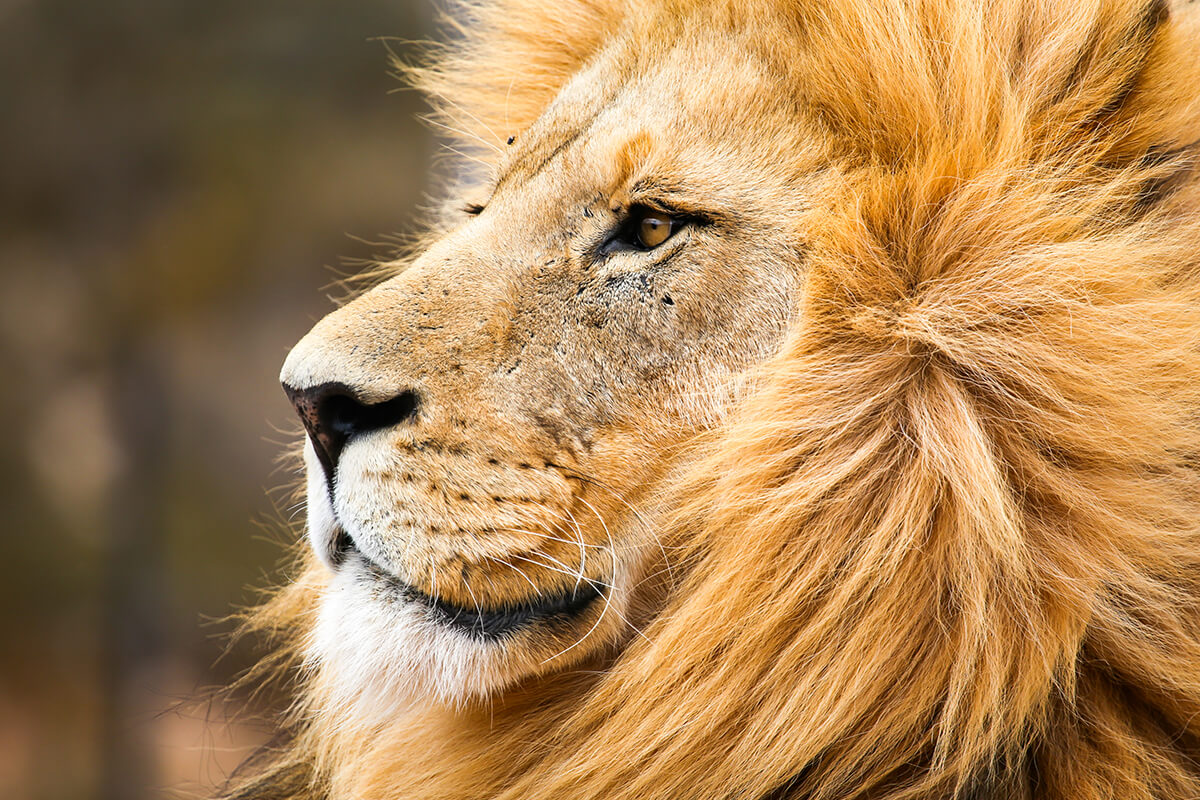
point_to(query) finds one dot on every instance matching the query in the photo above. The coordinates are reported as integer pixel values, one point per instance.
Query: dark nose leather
(333, 415)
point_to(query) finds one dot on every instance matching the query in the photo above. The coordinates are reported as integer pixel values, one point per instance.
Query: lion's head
(488, 430)
(801, 403)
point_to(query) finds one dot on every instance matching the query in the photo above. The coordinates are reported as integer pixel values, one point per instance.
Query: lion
(798, 399)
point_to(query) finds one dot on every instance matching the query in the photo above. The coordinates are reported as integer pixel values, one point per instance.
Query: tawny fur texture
(949, 545)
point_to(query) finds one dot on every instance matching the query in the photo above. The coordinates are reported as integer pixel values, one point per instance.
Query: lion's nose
(333, 415)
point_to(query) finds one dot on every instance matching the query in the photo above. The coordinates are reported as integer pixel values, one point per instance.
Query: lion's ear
(1074, 66)
(1123, 79)
(1161, 111)
(510, 59)
(1069, 71)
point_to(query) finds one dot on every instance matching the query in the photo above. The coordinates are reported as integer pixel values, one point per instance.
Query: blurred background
(181, 182)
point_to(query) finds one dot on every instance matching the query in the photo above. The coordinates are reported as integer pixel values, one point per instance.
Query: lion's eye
(654, 228)
(644, 228)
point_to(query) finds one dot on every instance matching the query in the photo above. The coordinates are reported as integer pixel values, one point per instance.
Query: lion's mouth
(494, 623)
(482, 623)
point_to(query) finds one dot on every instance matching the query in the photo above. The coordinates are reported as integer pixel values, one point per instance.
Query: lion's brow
(580, 119)
(520, 169)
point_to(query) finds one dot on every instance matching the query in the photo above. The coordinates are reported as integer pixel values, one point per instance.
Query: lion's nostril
(332, 415)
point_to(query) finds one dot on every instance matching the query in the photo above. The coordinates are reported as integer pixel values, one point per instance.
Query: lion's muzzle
(332, 414)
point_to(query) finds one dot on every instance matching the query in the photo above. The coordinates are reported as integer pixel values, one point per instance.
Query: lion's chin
(380, 646)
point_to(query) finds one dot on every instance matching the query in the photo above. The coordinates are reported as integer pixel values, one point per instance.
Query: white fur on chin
(378, 654)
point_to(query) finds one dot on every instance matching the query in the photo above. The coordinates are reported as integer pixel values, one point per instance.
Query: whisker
(520, 572)
(433, 579)
(566, 569)
(579, 536)
(551, 538)
(582, 639)
(650, 529)
(561, 570)
(474, 601)
(487, 577)
(600, 587)
(296, 510)
(467, 156)
(447, 101)
(608, 602)
(612, 548)
(613, 551)
(433, 120)
(607, 533)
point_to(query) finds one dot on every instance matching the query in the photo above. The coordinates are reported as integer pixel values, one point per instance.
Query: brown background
(179, 181)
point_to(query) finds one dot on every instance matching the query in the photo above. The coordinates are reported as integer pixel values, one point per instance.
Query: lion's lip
(497, 622)
(343, 547)
(480, 623)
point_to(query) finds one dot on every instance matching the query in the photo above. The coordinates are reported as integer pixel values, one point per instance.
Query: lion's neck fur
(952, 545)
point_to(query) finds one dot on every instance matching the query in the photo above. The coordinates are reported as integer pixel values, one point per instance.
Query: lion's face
(487, 430)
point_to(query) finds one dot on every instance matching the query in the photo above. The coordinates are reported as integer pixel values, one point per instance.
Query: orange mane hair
(950, 546)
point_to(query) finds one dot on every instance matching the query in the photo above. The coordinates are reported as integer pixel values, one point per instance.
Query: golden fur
(932, 527)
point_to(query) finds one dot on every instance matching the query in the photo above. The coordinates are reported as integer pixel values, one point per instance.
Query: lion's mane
(950, 545)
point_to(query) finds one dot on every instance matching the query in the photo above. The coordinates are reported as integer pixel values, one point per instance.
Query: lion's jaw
(506, 526)
(383, 641)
